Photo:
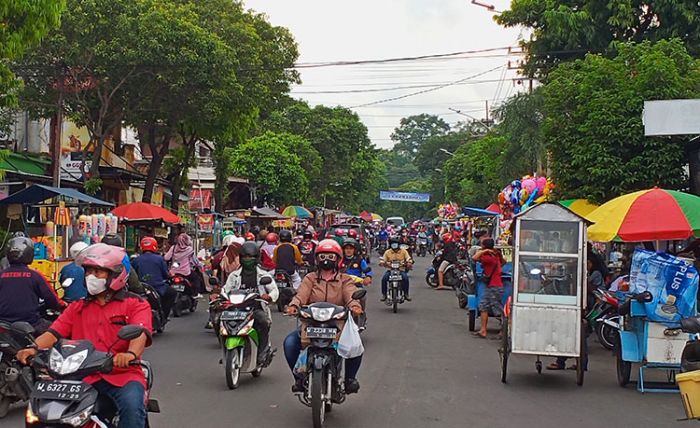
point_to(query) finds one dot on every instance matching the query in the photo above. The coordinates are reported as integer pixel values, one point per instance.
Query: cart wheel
(504, 351)
(538, 367)
(579, 371)
(624, 368)
(472, 320)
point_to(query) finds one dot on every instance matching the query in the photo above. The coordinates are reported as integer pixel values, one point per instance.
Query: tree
(594, 120)
(408, 210)
(399, 168)
(429, 156)
(413, 131)
(565, 30)
(277, 175)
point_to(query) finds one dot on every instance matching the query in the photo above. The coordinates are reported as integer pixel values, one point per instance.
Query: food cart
(544, 317)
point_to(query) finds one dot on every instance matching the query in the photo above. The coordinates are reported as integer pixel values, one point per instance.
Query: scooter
(431, 275)
(422, 247)
(185, 300)
(62, 398)
(287, 291)
(157, 314)
(605, 308)
(322, 367)
(15, 380)
(238, 337)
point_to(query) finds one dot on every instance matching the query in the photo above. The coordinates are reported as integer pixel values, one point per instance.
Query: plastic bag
(350, 343)
(302, 361)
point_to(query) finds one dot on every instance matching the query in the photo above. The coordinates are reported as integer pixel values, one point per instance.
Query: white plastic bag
(350, 343)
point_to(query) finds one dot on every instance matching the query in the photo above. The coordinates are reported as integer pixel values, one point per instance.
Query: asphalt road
(421, 368)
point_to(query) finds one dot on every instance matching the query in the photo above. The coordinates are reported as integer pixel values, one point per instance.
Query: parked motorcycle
(287, 291)
(323, 367)
(185, 300)
(604, 309)
(462, 276)
(431, 275)
(238, 337)
(15, 380)
(61, 398)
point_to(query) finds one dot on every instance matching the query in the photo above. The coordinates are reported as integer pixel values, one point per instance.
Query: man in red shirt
(492, 300)
(98, 319)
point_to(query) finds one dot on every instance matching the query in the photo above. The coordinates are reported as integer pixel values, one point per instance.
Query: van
(395, 221)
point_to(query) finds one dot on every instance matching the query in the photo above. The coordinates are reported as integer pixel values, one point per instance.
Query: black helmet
(250, 249)
(350, 242)
(285, 235)
(20, 251)
(114, 240)
(308, 235)
(394, 239)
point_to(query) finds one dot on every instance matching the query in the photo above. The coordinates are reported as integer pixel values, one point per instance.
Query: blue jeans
(385, 282)
(129, 400)
(292, 349)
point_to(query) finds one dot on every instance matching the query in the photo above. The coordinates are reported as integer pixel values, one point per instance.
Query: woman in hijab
(182, 253)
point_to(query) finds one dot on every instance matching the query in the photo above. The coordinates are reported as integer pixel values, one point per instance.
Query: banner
(206, 222)
(200, 199)
(404, 196)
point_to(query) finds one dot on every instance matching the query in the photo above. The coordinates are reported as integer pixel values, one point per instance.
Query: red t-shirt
(492, 267)
(87, 320)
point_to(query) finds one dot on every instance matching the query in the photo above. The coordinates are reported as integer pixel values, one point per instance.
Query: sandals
(555, 366)
(478, 335)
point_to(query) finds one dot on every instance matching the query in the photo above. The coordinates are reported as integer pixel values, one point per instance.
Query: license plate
(395, 278)
(233, 315)
(68, 391)
(321, 332)
(179, 287)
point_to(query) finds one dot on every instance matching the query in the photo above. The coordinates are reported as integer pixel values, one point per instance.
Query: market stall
(140, 219)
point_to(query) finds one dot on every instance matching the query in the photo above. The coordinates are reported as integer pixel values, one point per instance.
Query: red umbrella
(144, 211)
(366, 215)
(494, 208)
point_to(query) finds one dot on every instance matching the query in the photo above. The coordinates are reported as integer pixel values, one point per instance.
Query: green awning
(16, 162)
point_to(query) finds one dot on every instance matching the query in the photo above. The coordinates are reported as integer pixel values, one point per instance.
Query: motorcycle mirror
(359, 294)
(130, 332)
(213, 280)
(67, 283)
(266, 280)
(22, 327)
(535, 272)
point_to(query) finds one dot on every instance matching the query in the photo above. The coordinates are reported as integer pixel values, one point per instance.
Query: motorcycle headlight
(322, 314)
(64, 366)
(79, 419)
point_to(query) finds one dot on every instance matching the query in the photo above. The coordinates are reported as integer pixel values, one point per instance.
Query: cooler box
(689, 384)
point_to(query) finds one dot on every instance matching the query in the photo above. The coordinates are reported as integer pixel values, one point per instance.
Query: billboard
(671, 117)
(388, 195)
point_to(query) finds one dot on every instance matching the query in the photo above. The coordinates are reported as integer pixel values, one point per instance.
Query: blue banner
(404, 196)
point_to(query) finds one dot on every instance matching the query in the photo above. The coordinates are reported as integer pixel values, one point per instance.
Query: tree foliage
(521, 119)
(594, 120)
(564, 30)
(413, 131)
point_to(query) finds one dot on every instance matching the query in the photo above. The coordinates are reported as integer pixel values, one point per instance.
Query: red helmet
(272, 238)
(339, 232)
(149, 244)
(352, 233)
(447, 238)
(108, 257)
(329, 246)
(249, 237)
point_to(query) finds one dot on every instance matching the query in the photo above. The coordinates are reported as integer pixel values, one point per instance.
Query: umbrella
(579, 206)
(377, 217)
(494, 208)
(648, 215)
(144, 211)
(297, 211)
(366, 215)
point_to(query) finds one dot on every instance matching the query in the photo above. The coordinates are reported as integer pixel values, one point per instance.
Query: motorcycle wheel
(504, 351)
(318, 408)
(193, 305)
(257, 372)
(606, 334)
(233, 368)
(280, 305)
(624, 368)
(4, 405)
(431, 280)
(472, 320)
(177, 310)
(394, 300)
(462, 300)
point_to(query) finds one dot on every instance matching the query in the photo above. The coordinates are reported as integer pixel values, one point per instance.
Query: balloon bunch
(448, 211)
(521, 194)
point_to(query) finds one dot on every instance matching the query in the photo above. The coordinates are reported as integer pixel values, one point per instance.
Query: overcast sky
(334, 30)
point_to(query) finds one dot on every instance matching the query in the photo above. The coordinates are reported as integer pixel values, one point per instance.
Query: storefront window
(549, 237)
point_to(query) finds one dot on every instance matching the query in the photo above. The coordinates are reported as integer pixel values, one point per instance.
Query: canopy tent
(477, 212)
(141, 211)
(494, 208)
(267, 213)
(39, 193)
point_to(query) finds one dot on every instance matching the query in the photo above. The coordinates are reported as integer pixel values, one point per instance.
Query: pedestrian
(492, 300)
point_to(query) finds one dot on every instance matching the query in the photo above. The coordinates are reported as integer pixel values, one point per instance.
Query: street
(421, 368)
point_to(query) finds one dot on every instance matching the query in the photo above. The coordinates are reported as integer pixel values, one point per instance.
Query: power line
(396, 88)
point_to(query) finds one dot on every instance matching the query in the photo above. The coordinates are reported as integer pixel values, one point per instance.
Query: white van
(395, 221)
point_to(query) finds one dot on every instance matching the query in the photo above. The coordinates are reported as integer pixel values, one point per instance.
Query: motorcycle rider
(268, 251)
(339, 236)
(449, 257)
(152, 269)
(287, 257)
(356, 265)
(307, 247)
(22, 287)
(396, 253)
(76, 290)
(248, 277)
(330, 285)
(98, 319)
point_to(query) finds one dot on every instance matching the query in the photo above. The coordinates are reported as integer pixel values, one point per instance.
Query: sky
(333, 30)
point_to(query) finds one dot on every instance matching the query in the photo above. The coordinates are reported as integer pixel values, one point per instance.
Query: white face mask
(95, 285)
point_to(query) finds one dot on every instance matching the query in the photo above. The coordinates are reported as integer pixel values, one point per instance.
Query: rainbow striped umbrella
(297, 211)
(647, 215)
(580, 206)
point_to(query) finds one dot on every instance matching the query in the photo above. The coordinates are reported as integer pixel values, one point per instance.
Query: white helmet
(76, 248)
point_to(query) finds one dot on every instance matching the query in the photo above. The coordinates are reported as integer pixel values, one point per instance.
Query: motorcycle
(238, 337)
(303, 270)
(604, 309)
(157, 313)
(15, 380)
(431, 275)
(185, 300)
(395, 290)
(381, 247)
(422, 247)
(323, 367)
(465, 282)
(61, 398)
(287, 291)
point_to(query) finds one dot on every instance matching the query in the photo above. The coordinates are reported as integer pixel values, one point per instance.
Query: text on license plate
(59, 390)
(179, 287)
(321, 332)
(234, 315)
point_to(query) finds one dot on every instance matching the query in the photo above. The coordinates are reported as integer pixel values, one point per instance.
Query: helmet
(227, 233)
(108, 257)
(114, 240)
(20, 251)
(76, 248)
(447, 238)
(249, 237)
(339, 232)
(350, 242)
(149, 244)
(329, 246)
(394, 239)
(250, 249)
(308, 235)
(285, 235)
(271, 238)
(352, 233)
(228, 240)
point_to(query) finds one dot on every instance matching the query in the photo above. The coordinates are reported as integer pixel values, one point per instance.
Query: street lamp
(446, 151)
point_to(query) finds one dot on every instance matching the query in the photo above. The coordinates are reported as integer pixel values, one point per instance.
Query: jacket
(20, 291)
(152, 270)
(337, 291)
(234, 283)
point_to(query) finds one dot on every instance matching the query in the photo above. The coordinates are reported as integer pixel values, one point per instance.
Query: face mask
(327, 264)
(394, 246)
(249, 264)
(95, 285)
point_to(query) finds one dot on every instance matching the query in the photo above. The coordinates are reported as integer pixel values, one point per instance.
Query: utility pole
(57, 135)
